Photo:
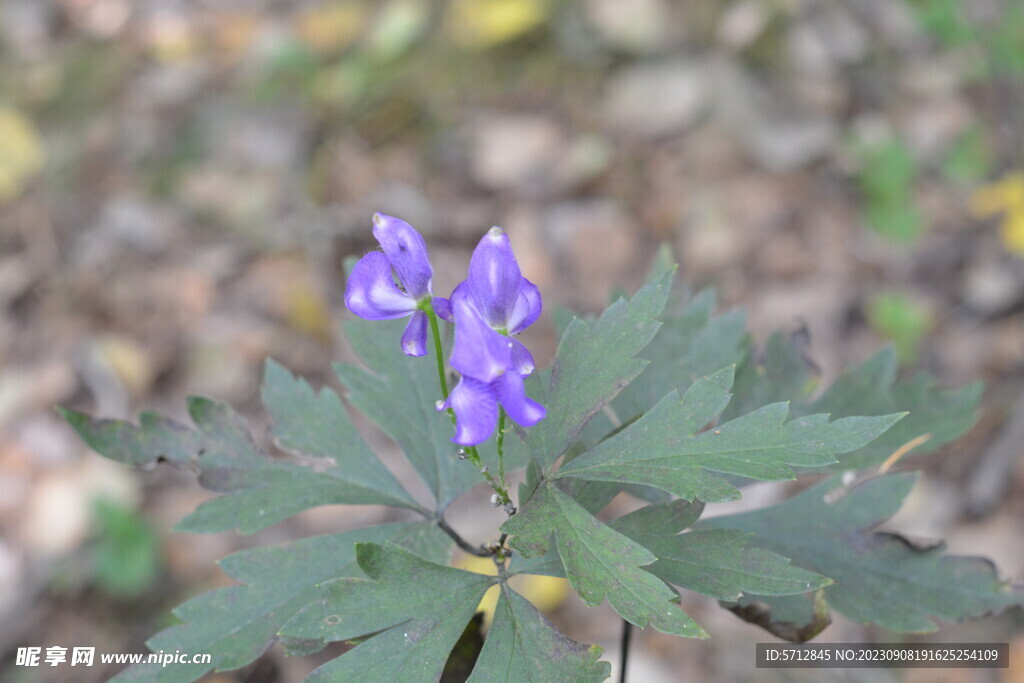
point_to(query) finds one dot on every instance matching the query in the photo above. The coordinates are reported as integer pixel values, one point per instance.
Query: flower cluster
(491, 305)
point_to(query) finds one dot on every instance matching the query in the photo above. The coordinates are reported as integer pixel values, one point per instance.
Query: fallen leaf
(331, 27)
(1004, 197)
(482, 24)
(21, 152)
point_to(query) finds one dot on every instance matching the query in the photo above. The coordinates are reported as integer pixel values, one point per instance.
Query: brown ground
(205, 168)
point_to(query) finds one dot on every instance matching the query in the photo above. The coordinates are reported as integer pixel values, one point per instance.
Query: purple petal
(371, 292)
(462, 293)
(512, 394)
(414, 339)
(526, 309)
(442, 308)
(479, 352)
(522, 359)
(476, 411)
(495, 278)
(407, 251)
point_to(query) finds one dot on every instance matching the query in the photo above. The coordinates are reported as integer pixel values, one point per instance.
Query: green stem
(474, 457)
(471, 453)
(501, 446)
(438, 353)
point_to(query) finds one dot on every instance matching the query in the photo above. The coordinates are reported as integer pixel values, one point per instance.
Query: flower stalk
(492, 305)
(438, 353)
(501, 448)
(471, 452)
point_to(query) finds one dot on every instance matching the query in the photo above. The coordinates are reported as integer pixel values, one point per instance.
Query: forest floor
(180, 183)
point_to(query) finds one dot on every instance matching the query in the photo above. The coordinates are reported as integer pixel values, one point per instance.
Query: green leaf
(897, 316)
(397, 393)
(523, 647)
(658, 521)
(879, 578)
(688, 346)
(561, 318)
(599, 561)
(155, 438)
(868, 389)
(783, 375)
(238, 623)
(1005, 40)
(718, 563)
(969, 159)
(796, 618)
(887, 177)
(713, 562)
(126, 556)
(415, 611)
(946, 20)
(594, 362)
(592, 496)
(871, 389)
(261, 490)
(318, 425)
(899, 221)
(663, 448)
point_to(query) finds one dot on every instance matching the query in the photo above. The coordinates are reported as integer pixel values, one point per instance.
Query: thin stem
(460, 541)
(438, 353)
(627, 632)
(501, 446)
(471, 453)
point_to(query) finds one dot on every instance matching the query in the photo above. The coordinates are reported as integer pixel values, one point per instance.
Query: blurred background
(180, 181)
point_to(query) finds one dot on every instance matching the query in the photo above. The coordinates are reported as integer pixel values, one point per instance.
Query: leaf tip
(271, 365)
(72, 417)
(198, 406)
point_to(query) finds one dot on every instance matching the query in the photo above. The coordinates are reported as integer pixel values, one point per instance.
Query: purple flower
(490, 376)
(372, 293)
(506, 300)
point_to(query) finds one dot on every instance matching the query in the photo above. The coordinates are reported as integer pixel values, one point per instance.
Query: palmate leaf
(870, 388)
(694, 343)
(662, 520)
(688, 346)
(317, 424)
(599, 561)
(414, 611)
(238, 623)
(720, 563)
(663, 449)
(651, 522)
(781, 375)
(879, 578)
(523, 647)
(593, 363)
(261, 490)
(397, 393)
(796, 618)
